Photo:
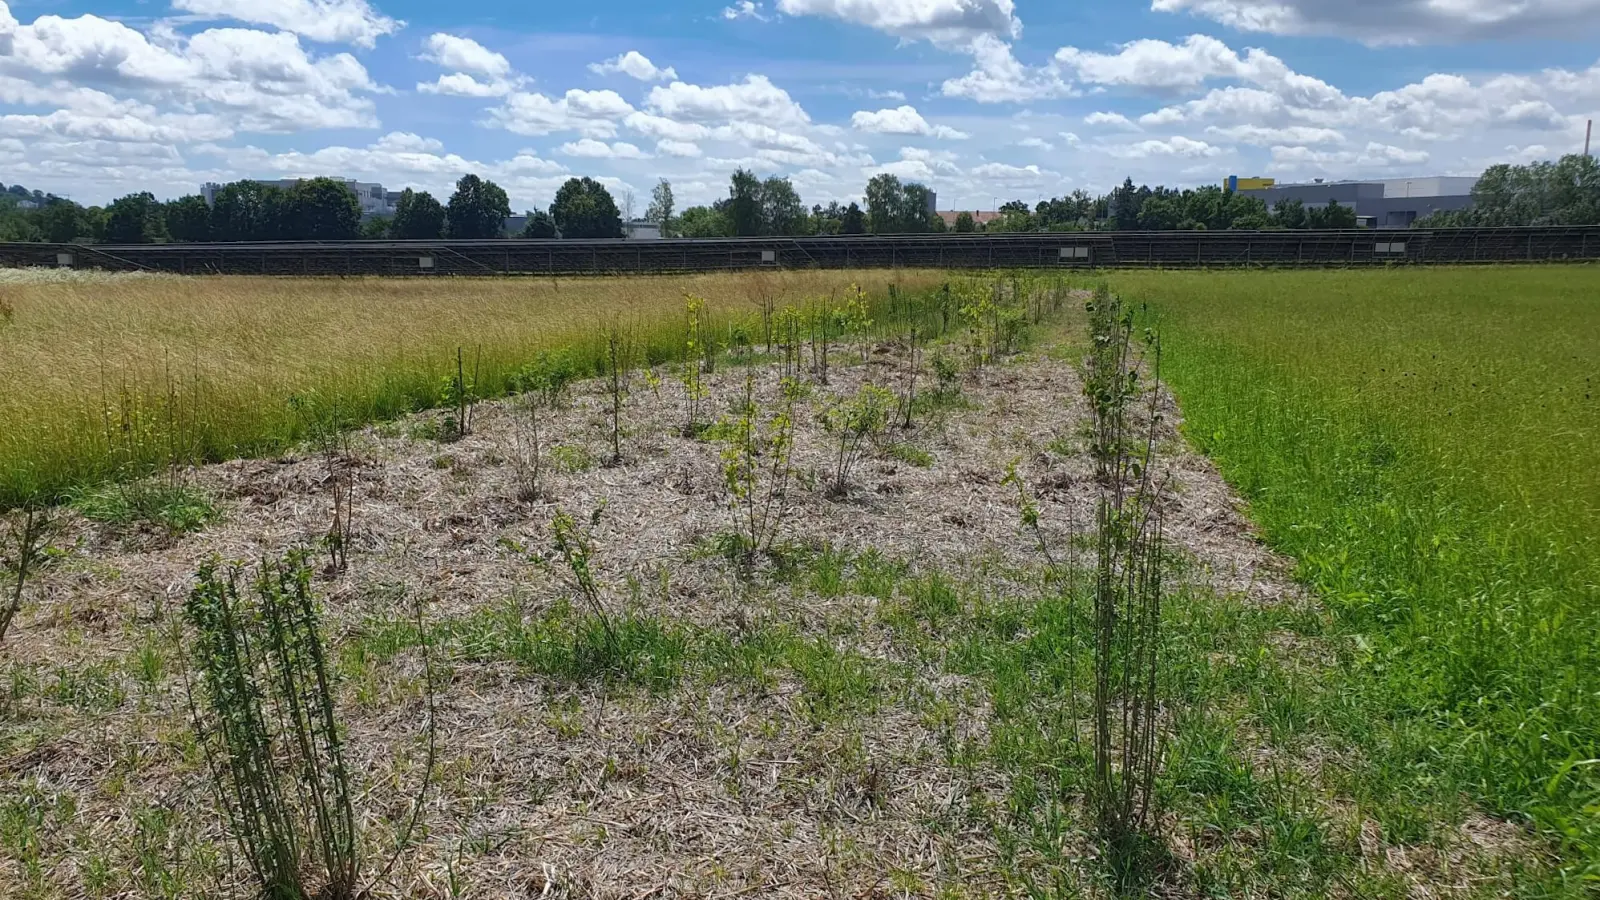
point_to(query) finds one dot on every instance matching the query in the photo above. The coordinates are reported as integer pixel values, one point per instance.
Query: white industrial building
(1389, 203)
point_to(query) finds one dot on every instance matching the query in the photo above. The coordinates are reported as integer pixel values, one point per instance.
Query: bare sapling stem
(26, 544)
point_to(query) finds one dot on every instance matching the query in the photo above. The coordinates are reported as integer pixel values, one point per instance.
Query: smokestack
(1587, 134)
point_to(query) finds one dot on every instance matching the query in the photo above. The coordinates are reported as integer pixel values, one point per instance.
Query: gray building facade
(1393, 203)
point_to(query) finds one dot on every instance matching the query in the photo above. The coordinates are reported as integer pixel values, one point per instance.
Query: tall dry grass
(104, 375)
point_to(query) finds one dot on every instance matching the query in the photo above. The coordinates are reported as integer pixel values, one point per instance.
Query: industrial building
(1392, 203)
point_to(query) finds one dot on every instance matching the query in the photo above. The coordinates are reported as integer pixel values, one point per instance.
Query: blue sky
(983, 100)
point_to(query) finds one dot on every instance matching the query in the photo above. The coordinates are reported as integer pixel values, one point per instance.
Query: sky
(982, 100)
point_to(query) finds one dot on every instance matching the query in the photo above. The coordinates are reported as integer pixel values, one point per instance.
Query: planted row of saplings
(262, 691)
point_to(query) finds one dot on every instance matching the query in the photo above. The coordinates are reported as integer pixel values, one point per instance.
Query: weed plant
(264, 707)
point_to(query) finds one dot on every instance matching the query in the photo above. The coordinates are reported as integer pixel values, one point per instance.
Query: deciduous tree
(417, 217)
(478, 209)
(583, 208)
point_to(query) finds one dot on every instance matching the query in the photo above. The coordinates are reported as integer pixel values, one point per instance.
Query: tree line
(1564, 192)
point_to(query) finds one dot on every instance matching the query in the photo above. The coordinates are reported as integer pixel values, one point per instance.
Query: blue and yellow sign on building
(1235, 183)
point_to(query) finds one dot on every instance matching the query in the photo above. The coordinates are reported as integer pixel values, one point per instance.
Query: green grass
(179, 508)
(653, 653)
(1426, 444)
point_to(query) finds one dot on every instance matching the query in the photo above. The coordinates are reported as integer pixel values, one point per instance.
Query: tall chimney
(1587, 134)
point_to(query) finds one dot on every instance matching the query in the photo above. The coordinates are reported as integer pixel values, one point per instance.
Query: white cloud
(593, 114)
(8, 29)
(592, 149)
(460, 84)
(328, 21)
(942, 162)
(1176, 146)
(635, 65)
(1266, 137)
(465, 55)
(897, 96)
(666, 129)
(756, 99)
(1110, 120)
(1071, 139)
(1396, 21)
(744, 9)
(1154, 64)
(938, 20)
(1036, 143)
(680, 149)
(1012, 174)
(251, 80)
(903, 120)
(1374, 156)
(998, 77)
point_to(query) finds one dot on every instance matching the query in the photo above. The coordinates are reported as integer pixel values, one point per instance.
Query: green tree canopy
(782, 212)
(321, 209)
(189, 219)
(136, 219)
(742, 208)
(966, 224)
(540, 225)
(417, 217)
(1564, 192)
(854, 222)
(583, 208)
(703, 222)
(477, 210)
(246, 211)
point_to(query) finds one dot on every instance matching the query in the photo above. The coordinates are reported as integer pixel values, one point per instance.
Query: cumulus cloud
(1375, 155)
(1396, 21)
(937, 20)
(1178, 146)
(680, 149)
(252, 80)
(664, 128)
(998, 77)
(589, 148)
(8, 30)
(903, 120)
(460, 84)
(1036, 143)
(1266, 137)
(449, 51)
(634, 65)
(1155, 64)
(1110, 120)
(756, 99)
(1012, 174)
(593, 114)
(327, 21)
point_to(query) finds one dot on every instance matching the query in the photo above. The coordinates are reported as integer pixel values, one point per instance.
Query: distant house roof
(978, 217)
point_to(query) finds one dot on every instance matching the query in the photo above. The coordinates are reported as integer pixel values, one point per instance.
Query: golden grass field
(98, 367)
